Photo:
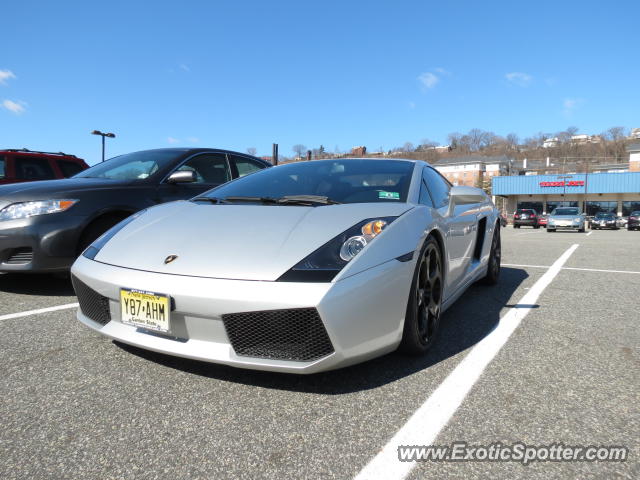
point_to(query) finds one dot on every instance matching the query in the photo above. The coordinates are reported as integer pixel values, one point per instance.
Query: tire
(493, 269)
(549, 230)
(97, 228)
(581, 230)
(537, 227)
(425, 301)
(516, 226)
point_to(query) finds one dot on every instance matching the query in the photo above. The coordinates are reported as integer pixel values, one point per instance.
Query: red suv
(26, 166)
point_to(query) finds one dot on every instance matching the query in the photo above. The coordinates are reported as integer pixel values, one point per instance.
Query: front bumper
(363, 315)
(44, 243)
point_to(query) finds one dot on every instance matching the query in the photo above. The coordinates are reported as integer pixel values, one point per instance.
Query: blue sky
(239, 74)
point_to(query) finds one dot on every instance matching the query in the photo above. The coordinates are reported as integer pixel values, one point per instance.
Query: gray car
(299, 268)
(566, 218)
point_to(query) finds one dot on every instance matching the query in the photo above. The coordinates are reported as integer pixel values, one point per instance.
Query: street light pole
(564, 184)
(103, 135)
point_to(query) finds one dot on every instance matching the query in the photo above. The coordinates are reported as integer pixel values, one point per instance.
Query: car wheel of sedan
(581, 230)
(549, 230)
(493, 269)
(425, 301)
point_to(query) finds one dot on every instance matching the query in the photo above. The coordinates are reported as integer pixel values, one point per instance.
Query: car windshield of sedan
(606, 216)
(565, 211)
(132, 166)
(321, 182)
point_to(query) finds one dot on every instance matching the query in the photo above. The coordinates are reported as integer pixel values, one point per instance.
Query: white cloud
(193, 139)
(442, 71)
(519, 78)
(14, 107)
(428, 79)
(184, 67)
(6, 75)
(173, 140)
(570, 104)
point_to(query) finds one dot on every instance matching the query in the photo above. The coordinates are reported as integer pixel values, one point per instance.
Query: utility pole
(103, 135)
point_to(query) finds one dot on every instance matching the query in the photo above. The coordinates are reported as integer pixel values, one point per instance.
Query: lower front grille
(20, 256)
(292, 334)
(92, 304)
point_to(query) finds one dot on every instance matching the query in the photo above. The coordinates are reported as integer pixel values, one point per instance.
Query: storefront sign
(574, 183)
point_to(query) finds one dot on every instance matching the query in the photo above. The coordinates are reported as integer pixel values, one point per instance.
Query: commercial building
(617, 193)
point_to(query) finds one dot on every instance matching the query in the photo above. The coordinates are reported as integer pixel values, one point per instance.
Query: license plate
(145, 309)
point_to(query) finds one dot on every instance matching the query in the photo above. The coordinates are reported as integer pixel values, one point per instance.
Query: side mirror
(461, 195)
(183, 176)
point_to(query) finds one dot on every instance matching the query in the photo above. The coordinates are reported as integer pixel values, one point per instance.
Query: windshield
(131, 166)
(565, 211)
(343, 181)
(605, 215)
(636, 213)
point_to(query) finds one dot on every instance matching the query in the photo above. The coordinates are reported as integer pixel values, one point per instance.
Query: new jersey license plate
(145, 309)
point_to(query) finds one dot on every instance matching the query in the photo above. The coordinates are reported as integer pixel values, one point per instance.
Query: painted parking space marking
(598, 270)
(38, 311)
(430, 418)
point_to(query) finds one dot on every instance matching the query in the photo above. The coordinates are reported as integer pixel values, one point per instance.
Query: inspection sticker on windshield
(389, 195)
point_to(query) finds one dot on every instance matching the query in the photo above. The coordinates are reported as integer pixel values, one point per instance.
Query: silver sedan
(300, 268)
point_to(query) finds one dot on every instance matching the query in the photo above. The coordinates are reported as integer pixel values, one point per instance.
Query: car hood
(46, 189)
(244, 242)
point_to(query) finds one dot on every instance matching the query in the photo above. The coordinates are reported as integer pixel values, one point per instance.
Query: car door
(211, 170)
(460, 228)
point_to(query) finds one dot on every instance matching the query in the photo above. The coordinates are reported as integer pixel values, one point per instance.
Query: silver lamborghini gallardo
(299, 268)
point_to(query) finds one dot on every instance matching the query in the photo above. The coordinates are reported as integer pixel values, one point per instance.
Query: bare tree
(572, 130)
(252, 151)
(512, 141)
(408, 147)
(299, 149)
(454, 139)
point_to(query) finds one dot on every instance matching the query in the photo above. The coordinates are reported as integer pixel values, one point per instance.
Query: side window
(69, 169)
(245, 166)
(2, 164)
(425, 198)
(33, 168)
(209, 168)
(438, 187)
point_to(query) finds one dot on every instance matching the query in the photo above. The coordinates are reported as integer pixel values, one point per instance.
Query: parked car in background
(45, 225)
(542, 220)
(622, 221)
(634, 221)
(604, 220)
(525, 217)
(18, 166)
(566, 218)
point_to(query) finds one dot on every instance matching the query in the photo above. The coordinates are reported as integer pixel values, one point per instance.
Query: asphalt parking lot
(76, 405)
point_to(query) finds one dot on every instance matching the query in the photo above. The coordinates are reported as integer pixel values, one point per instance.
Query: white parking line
(589, 233)
(529, 233)
(41, 310)
(571, 268)
(426, 423)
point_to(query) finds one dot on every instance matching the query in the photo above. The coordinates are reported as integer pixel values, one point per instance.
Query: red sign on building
(574, 183)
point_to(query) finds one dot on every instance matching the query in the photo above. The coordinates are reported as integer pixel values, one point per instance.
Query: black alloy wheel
(495, 257)
(425, 301)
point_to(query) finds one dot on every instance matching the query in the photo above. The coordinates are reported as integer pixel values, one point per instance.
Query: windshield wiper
(214, 200)
(267, 200)
(306, 200)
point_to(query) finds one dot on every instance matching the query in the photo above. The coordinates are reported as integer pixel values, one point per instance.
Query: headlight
(325, 263)
(93, 249)
(31, 209)
(577, 219)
